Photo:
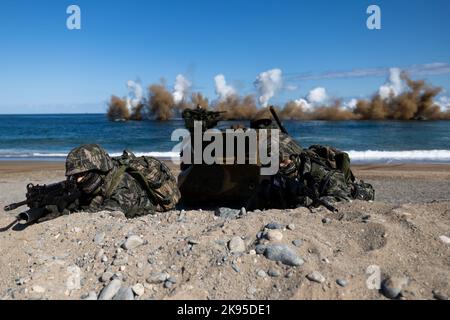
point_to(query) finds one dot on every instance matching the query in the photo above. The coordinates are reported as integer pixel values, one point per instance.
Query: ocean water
(51, 137)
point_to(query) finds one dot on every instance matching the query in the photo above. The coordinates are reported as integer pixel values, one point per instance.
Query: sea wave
(42, 155)
(355, 156)
(407, 156)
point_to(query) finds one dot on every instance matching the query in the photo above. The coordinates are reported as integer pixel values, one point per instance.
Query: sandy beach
(186, 254)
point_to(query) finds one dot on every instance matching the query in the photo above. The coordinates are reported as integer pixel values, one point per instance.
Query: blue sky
(44, 67)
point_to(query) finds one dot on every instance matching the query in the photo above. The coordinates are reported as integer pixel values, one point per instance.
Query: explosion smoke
(198, 99)
(267, 84)
(394, 86)
(293, 110)
(135, 103)
(117, 109)
(237, 108)
(160, 102)
(317, 96)
(335, 112)
(223, 90)
(415, 102)
(181, 88)
(400, 98)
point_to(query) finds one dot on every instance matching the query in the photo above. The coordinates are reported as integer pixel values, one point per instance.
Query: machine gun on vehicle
(209, 119)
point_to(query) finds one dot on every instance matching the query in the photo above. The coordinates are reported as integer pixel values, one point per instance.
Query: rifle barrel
(13, 206)
(277, 120)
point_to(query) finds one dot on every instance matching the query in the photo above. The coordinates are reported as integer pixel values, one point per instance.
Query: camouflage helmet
(262, 120)
(86, 158)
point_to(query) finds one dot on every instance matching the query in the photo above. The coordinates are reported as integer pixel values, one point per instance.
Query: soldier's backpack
(154, 177)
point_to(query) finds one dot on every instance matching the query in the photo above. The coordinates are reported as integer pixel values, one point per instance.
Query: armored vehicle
(236, 173)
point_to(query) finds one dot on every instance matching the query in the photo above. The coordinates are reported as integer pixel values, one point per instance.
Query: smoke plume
(117, 109)
(334, 112)
(267, 84)
(394, 86)
(237, 108)
(317, 96)
(198, 100)
(400, 98)
(135, 100)
(223, 90)
(294, 110)
(181, 89)
(160, 102)
(415, 102)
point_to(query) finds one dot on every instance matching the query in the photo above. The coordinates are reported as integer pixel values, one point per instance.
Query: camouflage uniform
(319, 175)
(118, 190)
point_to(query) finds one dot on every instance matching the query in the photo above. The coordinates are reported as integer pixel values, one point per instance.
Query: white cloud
(428, 69)
(291, 87)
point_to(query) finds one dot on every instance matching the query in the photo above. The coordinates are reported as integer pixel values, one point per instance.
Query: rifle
(277, 120)
(58, 194)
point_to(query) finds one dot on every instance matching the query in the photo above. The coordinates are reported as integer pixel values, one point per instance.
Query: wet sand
(412, 170)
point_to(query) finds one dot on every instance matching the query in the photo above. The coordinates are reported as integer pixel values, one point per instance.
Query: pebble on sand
(124, 293)
(439, 295)
(227, 213)
(110, 290)
(392, 287)
(260, 249)
(297, 242)
(445, 239)
(138, 289)
(251, 290)
(38, 289)
(99, 238)
(274, 235)
(273, 273)
(132, 242)
(106, 276)
(90, 296)
(342, 282)
(236, 245)
(261, 273)
(284, 254)
(273, 226)
(316, 276)
(158, 277)
(99, 254)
